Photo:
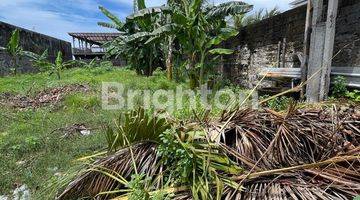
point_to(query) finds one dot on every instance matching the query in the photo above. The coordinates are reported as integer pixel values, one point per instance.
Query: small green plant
(339, 88)
(354, 95)
(278, 103)
(138, 187)
(171, 151)
(58, 66)
(15, 51)
(138, 126)
(41, 62)
(32, 142)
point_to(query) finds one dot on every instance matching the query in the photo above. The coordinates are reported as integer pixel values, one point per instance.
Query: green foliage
(116, 22)
(339, 88)
(133, 127)
(138, 185)
(278, 103)
(31, 140)
(81, 101)
(243, 20)
(171, 151)
(14, 49)
(197, 29)
(191, 26)
(143, 57)
(354, 95)
(41, 62)
(194, 161)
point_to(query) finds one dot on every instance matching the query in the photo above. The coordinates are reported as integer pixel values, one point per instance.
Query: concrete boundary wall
(31, 41)
(258, 45)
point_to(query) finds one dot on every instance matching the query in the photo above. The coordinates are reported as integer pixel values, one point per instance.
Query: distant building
(298, 3)
(90, 45)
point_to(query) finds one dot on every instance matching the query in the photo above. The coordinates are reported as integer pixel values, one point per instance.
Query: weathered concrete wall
(257, 45)
(31, 41)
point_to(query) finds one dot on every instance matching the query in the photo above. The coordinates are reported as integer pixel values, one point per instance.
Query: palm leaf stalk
(298, 154)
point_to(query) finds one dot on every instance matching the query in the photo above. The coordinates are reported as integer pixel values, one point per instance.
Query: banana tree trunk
(202, 68)
(169, 59)
(192, 72)
(14, 64)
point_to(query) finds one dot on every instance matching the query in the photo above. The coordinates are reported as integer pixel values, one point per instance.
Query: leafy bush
(278, 103)
(339, 88)
(354, 95)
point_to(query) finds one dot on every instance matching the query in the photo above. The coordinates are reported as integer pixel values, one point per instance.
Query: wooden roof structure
(298, 3)
(95, 38)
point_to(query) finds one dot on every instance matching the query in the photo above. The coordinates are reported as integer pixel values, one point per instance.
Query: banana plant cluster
(143, 57)
(191, 27)
(43, 64)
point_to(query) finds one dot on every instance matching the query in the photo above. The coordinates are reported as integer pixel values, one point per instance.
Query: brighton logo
(116, 96)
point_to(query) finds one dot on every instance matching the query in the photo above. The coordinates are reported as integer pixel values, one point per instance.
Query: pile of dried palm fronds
(298, 154)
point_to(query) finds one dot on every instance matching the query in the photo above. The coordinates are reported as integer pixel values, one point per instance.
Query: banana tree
(41, 62)
(143, 57)
(14, 49)
(199, 29)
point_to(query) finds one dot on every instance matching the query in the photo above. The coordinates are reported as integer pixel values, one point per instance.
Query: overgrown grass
(32, 149)
(24, 84)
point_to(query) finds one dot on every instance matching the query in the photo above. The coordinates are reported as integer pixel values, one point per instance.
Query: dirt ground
(46, 97)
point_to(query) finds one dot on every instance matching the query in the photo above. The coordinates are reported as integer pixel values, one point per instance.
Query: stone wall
(258, 45)
(31, 41)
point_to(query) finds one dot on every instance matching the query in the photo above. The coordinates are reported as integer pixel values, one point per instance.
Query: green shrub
(278, 103)
(339, 88)
(354, 95)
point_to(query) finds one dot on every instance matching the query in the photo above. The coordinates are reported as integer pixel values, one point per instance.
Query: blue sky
(58, 17)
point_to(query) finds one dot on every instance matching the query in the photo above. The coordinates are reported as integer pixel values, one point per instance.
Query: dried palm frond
(298, 154)
(94, 181)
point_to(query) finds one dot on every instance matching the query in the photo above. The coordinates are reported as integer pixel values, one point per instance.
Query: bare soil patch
(46, 97)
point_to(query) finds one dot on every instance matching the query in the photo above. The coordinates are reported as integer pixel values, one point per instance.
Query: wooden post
(316, 53)
(328, 48)
(305, 60)
(321, 51)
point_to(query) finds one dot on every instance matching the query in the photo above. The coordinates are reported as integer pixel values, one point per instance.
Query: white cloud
(53, 23)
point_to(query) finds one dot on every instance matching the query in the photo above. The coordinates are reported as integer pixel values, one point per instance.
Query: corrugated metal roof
(96, 38)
